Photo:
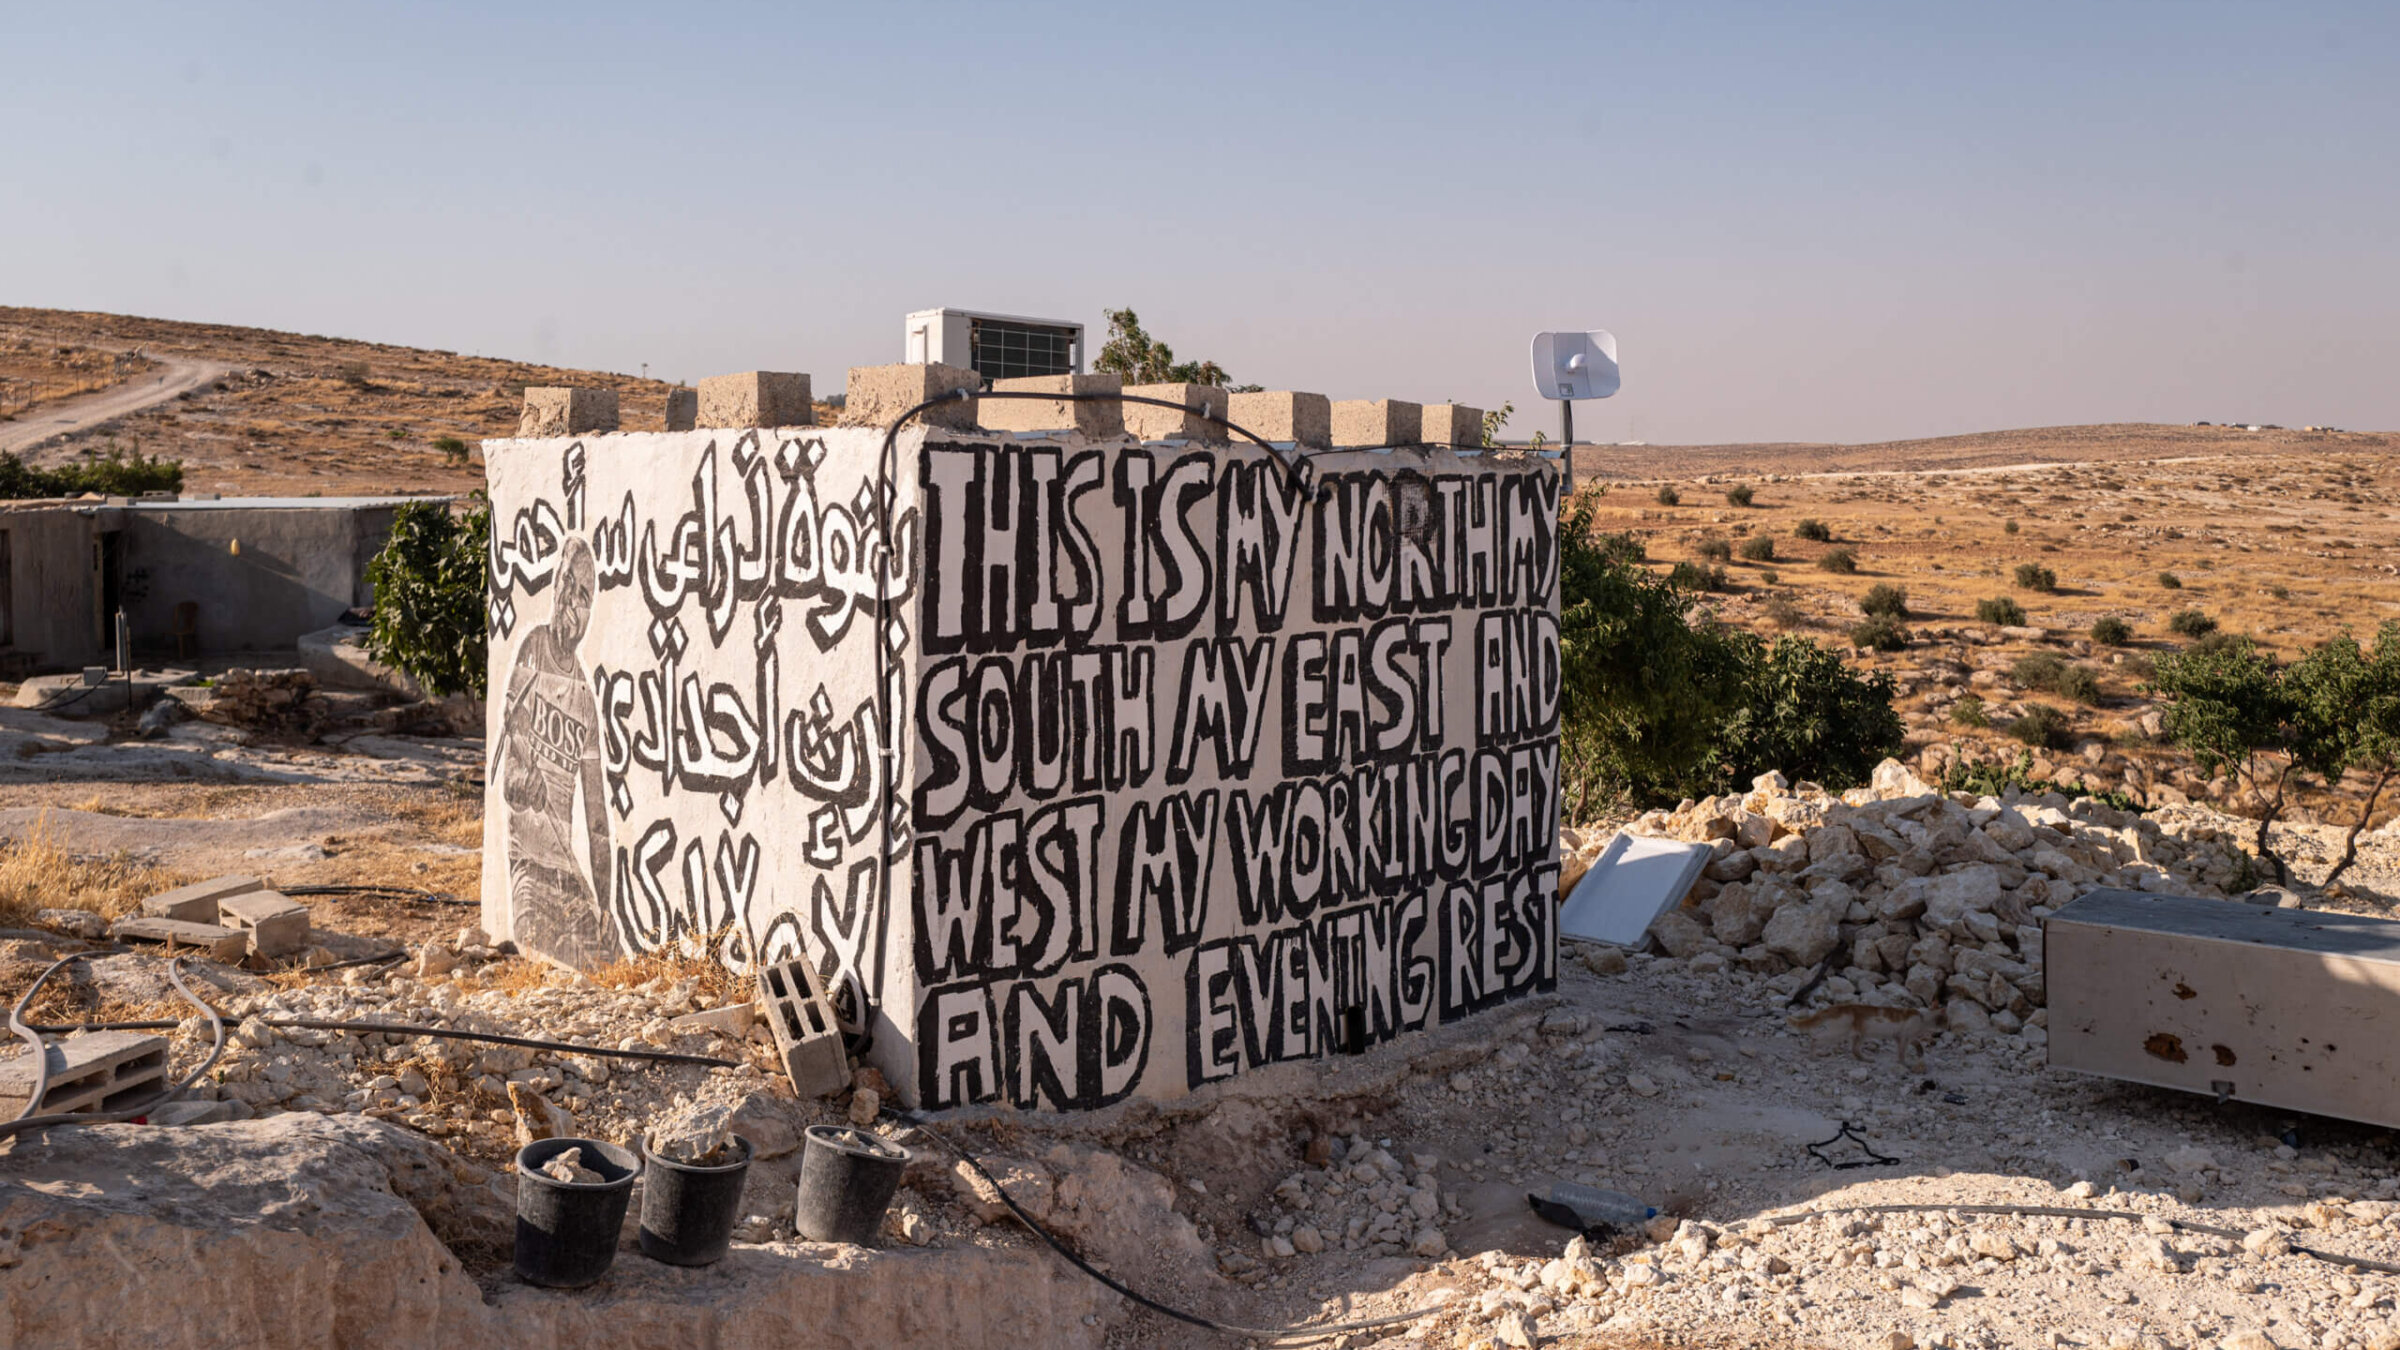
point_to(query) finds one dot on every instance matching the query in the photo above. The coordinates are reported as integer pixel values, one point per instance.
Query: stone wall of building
(1084, 768)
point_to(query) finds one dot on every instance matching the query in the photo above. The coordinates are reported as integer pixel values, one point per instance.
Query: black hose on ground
(919, 1120)
(22, 1123)
(382, 892)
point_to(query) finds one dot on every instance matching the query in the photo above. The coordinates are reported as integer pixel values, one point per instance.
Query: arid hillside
(2174, 532)
(293, 414)
(2285, 535)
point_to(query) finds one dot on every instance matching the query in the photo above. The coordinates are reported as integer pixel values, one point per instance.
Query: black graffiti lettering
(1222, 704)
(1258, 544)
(1083, 1045)
(1516, 674)
(1165, 854)
(1167, 581)
(1499, 939)
(958, 1051)
(993, 728)
(1013, 566)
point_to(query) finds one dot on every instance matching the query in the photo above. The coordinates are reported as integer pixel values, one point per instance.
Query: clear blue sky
(1836, 222)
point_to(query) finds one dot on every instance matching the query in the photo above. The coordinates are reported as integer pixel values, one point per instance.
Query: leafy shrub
(2190, 623)
(1813, 530)
(2035, 577)
(1839, 560)
(2009, 527)
(2048, 673)
(430, 598)
(2000, 610)
(1740, 494)
(1759, 549)
(2170, 581)
(1992, 780)
(1880, 633)
(2042, 726)
(1624, 546)
(1668, 496)
(113, 474)
(1659, 705)
(1885, 599)
(1782, 613)
(1969, 712)
(1698, 577)
(453, 449)
(2110, 631)
(1715, 549)
(1769, 576)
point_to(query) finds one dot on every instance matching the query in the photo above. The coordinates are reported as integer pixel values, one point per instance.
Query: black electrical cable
(41, 1064)
(410, 1029)
(1189, 1318)
(382, 892)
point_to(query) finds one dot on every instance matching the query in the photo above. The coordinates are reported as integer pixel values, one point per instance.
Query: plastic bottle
(1596, 1208)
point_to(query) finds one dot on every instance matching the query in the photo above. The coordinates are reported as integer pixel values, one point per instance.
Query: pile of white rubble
(1919, 898)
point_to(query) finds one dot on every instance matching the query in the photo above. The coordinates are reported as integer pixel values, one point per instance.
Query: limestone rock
(1027, 1183)
(1802, 933)
(1679, 934)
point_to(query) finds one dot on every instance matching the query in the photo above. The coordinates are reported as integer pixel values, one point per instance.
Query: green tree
(2345, 703)
(1143, 359)
(1660, 701)
(2229, 707)
(429, 581)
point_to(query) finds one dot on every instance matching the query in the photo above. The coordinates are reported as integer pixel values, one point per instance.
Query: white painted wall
(1140, 690)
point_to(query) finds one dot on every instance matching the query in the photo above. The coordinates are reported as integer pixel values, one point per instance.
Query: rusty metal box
(2290, 1008)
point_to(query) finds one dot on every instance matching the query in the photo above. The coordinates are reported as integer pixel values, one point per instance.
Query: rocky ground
(1397, 1181)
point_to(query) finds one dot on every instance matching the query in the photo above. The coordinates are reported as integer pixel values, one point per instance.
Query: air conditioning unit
(996, 346)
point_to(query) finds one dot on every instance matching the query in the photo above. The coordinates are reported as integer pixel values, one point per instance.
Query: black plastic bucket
(688, 1212)
(847, 1177)
(567, 1230)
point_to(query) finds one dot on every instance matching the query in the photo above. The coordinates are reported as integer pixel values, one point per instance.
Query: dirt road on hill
(174, 376)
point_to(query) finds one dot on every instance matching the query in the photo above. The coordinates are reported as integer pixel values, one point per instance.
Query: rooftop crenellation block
(1451, 424)
(1095, 417)
(683, 408)
(756, 398)
(875, 396)
(1280, 415)
(1375, 422)
(552, 410)
(1145, 422)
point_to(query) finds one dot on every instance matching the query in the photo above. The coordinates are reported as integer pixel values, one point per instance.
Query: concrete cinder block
(560, 411)
(221, 944)
(732, 1020)
(1157, 424)
(1451, 424)
(100, 1071)
(756, 398)
(198, 902)
(1376, 422)
(277, 925)
(1280, 415)
(1095, 418)
(683, 409)
(809, 1039)
(875, 396)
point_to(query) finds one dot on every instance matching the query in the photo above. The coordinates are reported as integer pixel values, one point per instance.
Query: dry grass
(34, 372)
(714, 980)
(36, 872)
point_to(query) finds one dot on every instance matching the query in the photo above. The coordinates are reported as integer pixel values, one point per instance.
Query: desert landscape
(1390, 1186)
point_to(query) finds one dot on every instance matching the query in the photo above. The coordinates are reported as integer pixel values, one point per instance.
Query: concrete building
(1080, 767)
(194, 577)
